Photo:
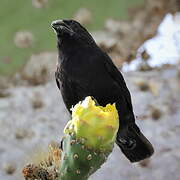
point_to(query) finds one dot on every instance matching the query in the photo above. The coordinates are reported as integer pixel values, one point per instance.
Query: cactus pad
(89, 139)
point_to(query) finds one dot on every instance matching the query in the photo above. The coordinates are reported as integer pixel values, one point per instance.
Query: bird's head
(71, 32)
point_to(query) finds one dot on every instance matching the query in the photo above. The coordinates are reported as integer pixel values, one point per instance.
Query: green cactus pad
(90, 137)
(77, 161)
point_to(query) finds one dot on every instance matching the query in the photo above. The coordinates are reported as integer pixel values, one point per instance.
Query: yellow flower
(96, 124)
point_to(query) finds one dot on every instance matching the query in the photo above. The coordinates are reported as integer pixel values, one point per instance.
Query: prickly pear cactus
(90, 137)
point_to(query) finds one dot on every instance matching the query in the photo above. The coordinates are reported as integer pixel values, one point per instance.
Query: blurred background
(34, 18)
(143, 39)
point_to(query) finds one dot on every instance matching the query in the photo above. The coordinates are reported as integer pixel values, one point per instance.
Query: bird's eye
(72, 22)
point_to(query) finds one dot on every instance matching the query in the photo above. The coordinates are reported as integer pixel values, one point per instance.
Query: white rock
(23, 39)
(164, 48)
(39, 3)
(83, 15)
(40, 68)
(105, 39)
(117, 27)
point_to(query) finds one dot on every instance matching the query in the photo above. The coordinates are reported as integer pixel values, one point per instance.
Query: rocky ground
(31, 117)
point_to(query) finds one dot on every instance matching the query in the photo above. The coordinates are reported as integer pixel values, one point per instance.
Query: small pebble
(37, 101)
(145, 56)
(21, 134)
(9, 169)
(4, 94)
(144, 163)
(156, 113)
(143, 85)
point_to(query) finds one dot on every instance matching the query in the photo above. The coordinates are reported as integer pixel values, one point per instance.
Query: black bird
(85, 70)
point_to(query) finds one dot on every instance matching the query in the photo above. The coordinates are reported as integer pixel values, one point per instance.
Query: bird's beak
(57, 24)
(61, 26)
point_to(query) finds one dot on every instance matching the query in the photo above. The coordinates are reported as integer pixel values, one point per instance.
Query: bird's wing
(117, 76)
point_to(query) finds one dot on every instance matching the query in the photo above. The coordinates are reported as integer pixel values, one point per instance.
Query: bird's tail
(134, 144)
